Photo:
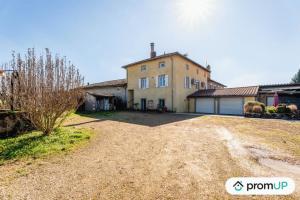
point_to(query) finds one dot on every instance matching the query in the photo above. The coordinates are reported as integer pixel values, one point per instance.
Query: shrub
(248, 106)
(282, 108)
(293, 108)
(270, 109)
(257, 109)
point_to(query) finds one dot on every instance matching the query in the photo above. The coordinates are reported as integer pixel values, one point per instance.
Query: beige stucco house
(166, 81)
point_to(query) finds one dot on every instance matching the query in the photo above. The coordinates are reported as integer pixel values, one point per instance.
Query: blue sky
(246, 42)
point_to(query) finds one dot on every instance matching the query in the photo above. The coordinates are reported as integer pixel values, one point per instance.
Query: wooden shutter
(147, 82)
(140, 85)
(167, 80)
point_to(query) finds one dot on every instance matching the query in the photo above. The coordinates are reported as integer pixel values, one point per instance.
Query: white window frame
(162, 80)
(144, 83)
(187, 82)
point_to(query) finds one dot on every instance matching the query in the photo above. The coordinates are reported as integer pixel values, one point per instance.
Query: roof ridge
(166, 55)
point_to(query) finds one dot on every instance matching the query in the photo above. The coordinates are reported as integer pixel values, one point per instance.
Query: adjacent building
(103, 96)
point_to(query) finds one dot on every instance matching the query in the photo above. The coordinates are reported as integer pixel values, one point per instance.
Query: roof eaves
(166, 55)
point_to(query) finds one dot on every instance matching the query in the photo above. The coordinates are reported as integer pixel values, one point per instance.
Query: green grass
(35, 145)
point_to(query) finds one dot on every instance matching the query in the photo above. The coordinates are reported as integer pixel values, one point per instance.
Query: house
(175, 82)
(108, 95)
(166, 81)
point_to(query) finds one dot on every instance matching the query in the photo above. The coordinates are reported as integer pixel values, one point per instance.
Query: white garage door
(205, 105)
(231, 106)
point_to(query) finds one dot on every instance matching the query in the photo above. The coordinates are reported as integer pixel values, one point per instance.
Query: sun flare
(193, 12)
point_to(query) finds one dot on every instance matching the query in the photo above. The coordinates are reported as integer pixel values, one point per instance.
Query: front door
(143, 105)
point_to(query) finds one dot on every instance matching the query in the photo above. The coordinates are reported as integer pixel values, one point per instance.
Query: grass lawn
(35, 145)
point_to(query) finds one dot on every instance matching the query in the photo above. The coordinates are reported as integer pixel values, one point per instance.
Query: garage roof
(229, 92)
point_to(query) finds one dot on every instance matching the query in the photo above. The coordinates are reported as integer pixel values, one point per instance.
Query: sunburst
(193, 12)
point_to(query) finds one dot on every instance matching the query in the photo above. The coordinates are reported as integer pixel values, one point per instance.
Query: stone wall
(13, 123)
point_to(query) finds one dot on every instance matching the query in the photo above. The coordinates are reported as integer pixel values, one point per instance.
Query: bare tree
(45, 88)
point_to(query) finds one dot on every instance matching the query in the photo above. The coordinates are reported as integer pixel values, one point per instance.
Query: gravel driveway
(133, 156)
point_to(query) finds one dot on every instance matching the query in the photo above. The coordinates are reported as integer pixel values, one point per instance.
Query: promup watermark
(260, 186)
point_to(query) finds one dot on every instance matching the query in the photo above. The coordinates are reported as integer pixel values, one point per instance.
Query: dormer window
(161, 64)
(143, 68)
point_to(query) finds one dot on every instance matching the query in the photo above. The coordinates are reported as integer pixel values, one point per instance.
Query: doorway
(143, 104)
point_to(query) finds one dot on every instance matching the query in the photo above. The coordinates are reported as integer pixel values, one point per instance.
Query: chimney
(152, 53)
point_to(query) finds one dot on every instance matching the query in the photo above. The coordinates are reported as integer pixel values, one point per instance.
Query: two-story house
(165, 81)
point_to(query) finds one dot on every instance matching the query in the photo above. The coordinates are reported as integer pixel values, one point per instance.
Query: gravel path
(132, 156)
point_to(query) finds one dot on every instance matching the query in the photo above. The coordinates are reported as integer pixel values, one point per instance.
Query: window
(197, 85)
(161, 103)
(162, 64)
(187, 82)
(161, 81)
(143, 83)
(270, 101)
(143, 68)
(197, 71)
(187, 67)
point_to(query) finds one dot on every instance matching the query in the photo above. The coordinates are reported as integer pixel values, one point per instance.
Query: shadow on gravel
(151, 119)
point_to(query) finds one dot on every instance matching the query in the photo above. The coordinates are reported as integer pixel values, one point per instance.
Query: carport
(226, 101)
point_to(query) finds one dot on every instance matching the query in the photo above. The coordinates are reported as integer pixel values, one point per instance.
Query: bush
(282, 108)
(293, 108)
(270, 109)
(248, 106)
(257, 109)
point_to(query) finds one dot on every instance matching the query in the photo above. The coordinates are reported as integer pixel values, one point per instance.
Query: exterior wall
(90, 101)
(180, 72)
(192, 105)
(152, 93)
(246, 99)
(174, 65)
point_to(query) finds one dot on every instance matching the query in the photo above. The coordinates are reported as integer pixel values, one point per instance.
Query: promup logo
(260, 186)
(238, 186)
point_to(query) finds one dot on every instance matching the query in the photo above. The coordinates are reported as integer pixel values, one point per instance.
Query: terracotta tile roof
(116, 83)
(164, 56)
(228, 92)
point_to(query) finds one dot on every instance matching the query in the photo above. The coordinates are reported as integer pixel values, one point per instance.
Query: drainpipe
(172, 64)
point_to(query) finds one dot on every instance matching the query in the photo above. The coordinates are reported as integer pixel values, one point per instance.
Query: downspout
(172, 64)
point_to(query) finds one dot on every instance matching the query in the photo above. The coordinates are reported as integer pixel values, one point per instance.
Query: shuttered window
(162, 80)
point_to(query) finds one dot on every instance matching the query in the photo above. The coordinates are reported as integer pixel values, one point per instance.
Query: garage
(205, 105)
(231, 106)
(225, 101)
